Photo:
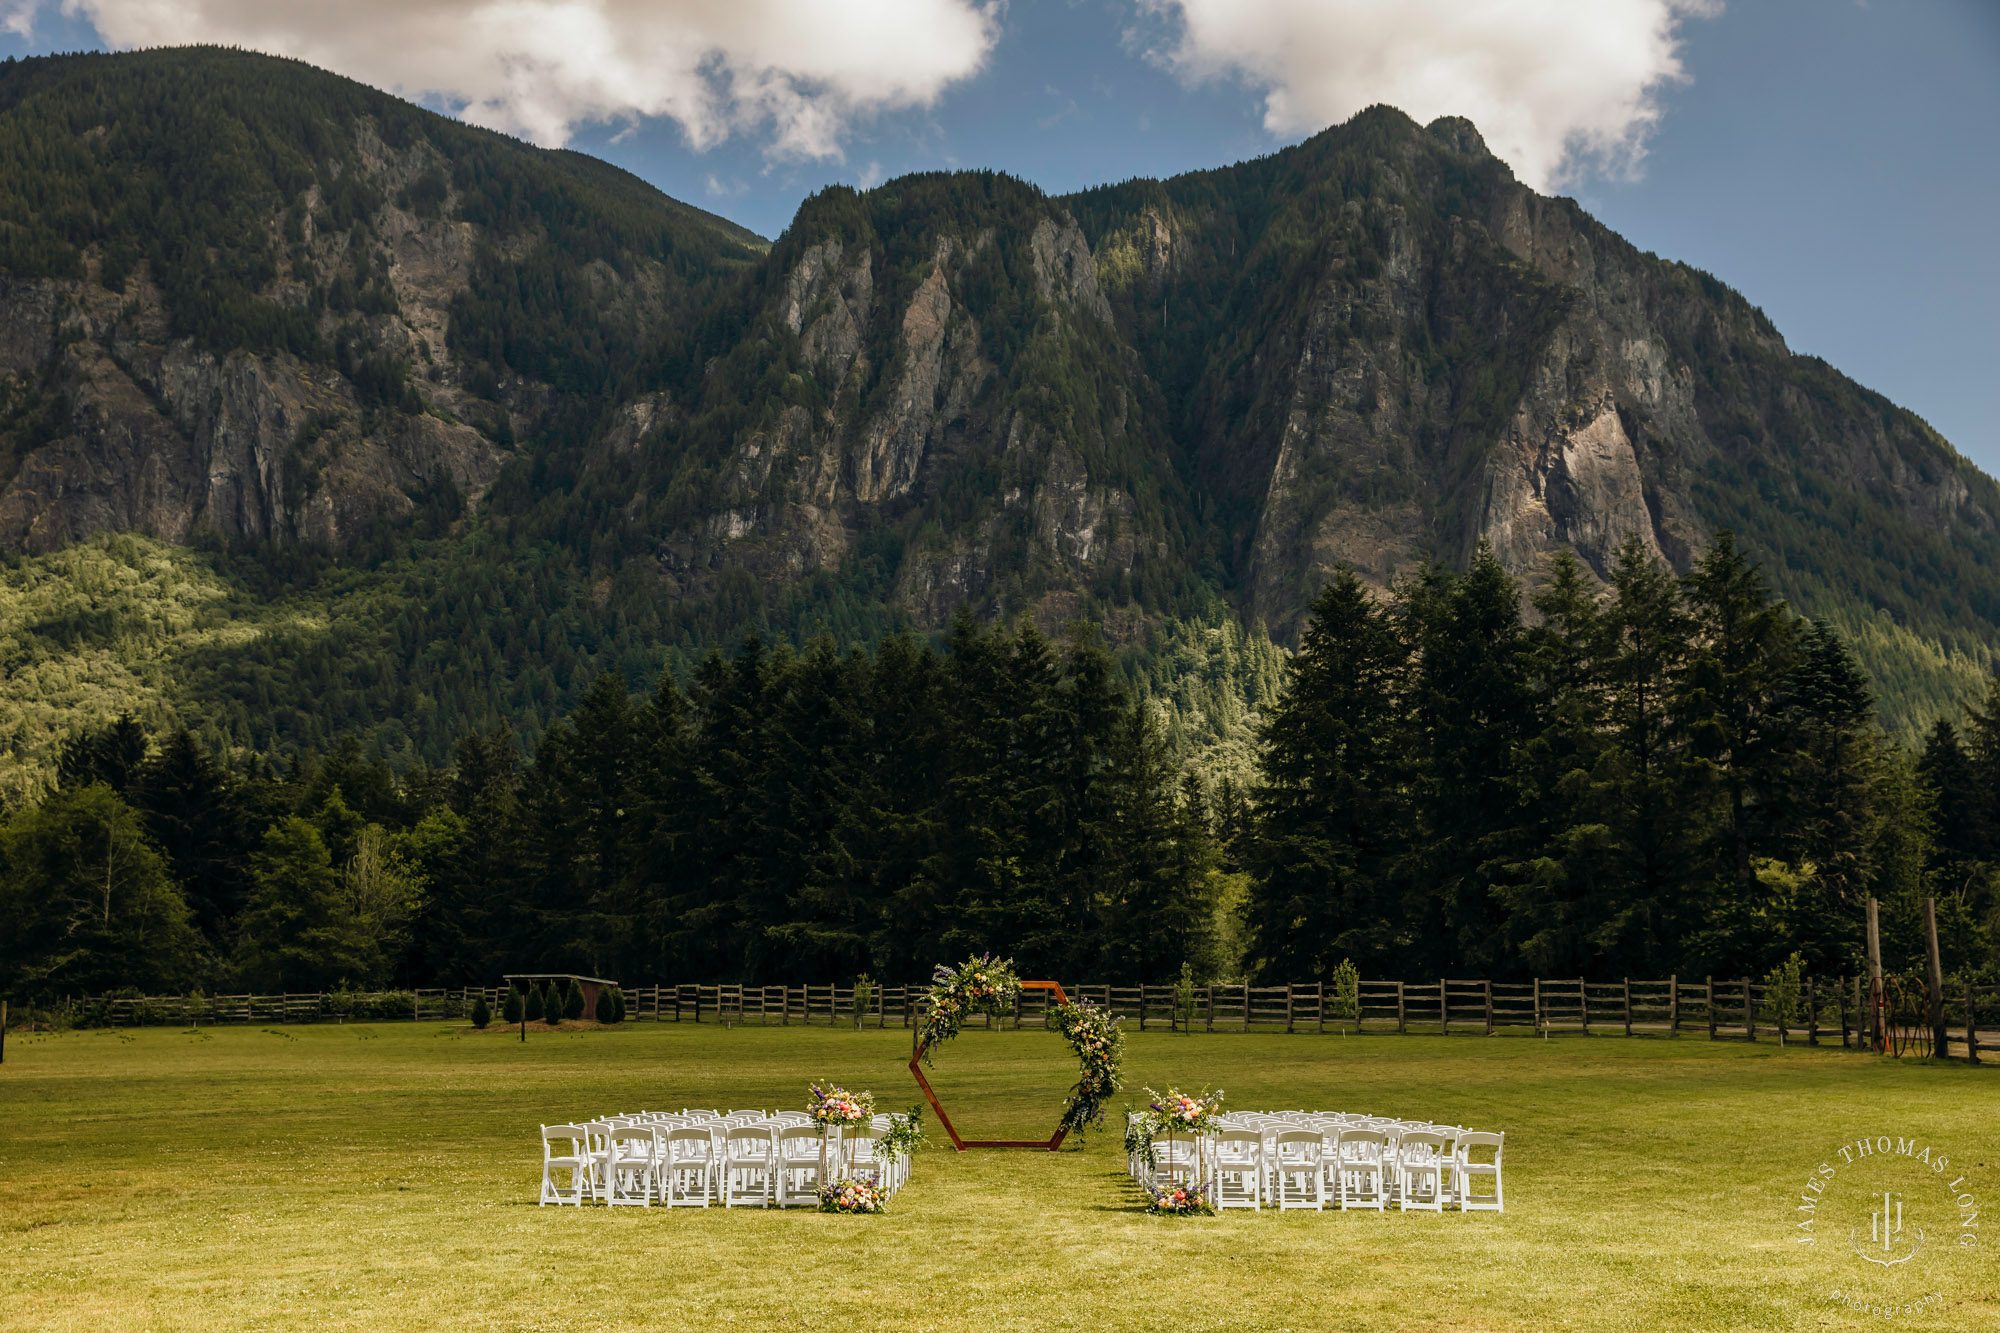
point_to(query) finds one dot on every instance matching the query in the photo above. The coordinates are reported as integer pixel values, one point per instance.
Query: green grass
(383, 1177)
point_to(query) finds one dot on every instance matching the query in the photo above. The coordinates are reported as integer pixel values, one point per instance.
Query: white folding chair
(1239, 1169)
(572, 1156)
(1295, 1166)
(1423, 1160)
(748, 1164)
(687, 1167)
(801, 1150)
(1471, 1166)
(631, 1165)
(1364, 1157)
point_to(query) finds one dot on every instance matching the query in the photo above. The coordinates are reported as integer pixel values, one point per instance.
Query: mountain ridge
(427, 358)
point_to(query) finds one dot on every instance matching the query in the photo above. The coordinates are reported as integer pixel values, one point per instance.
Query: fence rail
(1722, 1010)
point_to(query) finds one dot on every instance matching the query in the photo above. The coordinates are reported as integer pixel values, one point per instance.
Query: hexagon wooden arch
(916, 1057)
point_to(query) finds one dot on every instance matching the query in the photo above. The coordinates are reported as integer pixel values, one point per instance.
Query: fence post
(1210, 1022)
(1812, 1015)
(1401, 1023)
(3, 1027)
(1971, 1024)
(1674, 1005)
(1583, 1003)
(1628, 1006)
(1749, 1013)
(909, 999)
(1288, 1006)
(1538, 1004)
(1708, 990)
(1444, 1010)
(1488, 984)
(1878, 1033)
(1319, 1006)
(1934, 974)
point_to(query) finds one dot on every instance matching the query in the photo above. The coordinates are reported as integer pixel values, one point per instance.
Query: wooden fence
(1720, 1010)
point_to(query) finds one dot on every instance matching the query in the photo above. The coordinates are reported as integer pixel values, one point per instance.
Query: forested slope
(444, 426)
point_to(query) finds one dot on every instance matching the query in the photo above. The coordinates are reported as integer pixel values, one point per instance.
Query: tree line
(1647, 775)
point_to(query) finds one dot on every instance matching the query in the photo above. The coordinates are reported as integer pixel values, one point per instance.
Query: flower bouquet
(833, 1106)
(1171, 1112)
(852, 1196)
(978, 985)
(1188, 1199)
(1099, 1044)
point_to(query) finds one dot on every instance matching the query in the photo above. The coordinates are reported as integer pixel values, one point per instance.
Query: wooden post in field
(1444, 1010)
(1583, 1003)
(3, 1026)
(1288, 1006)
(1538, 1004)
(1812, 1015)
(1319, 1006)
(1971, 1024)
(1709, 989)
(1674, 1005)
(1878, 1028)
(1628, 1006)
(1401, 1023)
(1934, 973)
(1749, 1013)
(1209, 1023)
(1488, 984)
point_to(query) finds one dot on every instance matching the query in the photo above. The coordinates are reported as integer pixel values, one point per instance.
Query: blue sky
(1834, 161)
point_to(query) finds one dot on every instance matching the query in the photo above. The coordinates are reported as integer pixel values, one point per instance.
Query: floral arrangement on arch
(1099, 1043)
(1171, 1112)
(1187, 1199)
(832, 1105)
(978, 985)
(852, 1196)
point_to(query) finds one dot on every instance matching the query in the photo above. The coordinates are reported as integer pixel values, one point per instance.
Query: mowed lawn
(384, 1177)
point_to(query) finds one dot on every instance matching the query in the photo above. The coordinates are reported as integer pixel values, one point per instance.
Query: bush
(552, 1005)
(534, 1003)
(388, 1006)
(482, 1013)
(510, 1008)
(607, 1008)
(573, 1006)
(617, 1005)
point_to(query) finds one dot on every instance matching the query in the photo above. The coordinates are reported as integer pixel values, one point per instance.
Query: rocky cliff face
(1375, 348)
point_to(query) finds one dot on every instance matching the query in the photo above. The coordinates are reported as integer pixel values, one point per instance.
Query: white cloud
(1554, 86)
(800, 71)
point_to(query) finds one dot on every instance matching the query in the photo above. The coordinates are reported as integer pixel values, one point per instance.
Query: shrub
(573, 1006)
(617, 1005)
(552, 1005)
(510, 1007)
(534, 1003)
(482, 1013)
(607, 1009)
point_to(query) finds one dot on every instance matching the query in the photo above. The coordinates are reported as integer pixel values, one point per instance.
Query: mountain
(417, 428)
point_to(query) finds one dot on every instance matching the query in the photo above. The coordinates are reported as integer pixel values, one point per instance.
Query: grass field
(384, 1176)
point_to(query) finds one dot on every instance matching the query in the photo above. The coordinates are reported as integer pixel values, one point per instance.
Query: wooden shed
(590, 985)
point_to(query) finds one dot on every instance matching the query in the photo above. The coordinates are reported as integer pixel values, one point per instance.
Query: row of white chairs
(1320, 1160)
(695, 1158)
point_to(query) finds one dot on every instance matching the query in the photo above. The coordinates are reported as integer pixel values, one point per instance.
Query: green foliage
(513, 1006)
(573, 1002)
(607, 1007)
(534, 1007)
(482, 1012)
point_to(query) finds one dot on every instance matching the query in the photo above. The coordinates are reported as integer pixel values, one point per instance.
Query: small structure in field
(590, 986)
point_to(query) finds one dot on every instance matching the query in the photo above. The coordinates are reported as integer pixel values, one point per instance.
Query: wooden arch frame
(916, 1057)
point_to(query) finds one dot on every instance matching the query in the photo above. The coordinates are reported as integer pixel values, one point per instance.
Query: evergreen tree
(88, 901)
(1335, 809)
(297, 932)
